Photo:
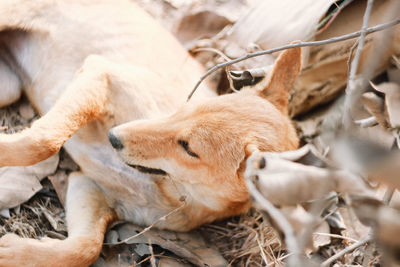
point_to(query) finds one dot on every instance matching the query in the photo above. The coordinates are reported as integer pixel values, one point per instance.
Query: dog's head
(202, 148)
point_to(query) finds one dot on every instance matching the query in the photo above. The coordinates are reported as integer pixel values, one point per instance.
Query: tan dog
(88, 67)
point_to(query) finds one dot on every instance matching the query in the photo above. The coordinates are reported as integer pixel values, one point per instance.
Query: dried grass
(246, 240)
(34, 218)
(10, 119)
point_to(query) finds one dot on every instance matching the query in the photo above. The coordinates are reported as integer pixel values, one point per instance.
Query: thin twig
(351, 82)
(263, 256)
(279, 260)
(212, 50)
(149, 257)
(337, 236)
(280, 219)
(152, 258)
(150, 226)
(370, 30)
(345, 251)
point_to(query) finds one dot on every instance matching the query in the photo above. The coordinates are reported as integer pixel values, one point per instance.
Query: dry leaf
(120, 256)
(358, 155)
(376, 106)
(284, 182)
(266, 25)
(170, 262)
(142, 249)
(354, 228)
(386, 170)
(394, 75)
(384, 219)
(321, 236)
(200, 25)
(60, 183)
(5, 213)
(190, 246)
(18, 184)
(325, 74)
(392, 101)
(388, 230)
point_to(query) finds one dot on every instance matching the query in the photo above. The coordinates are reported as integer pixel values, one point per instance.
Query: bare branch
(346, 250)
(278, 217)
(370, 30)
(212, 50)
(351, 54)
(337, 236)
(351, 83)
(163, 218)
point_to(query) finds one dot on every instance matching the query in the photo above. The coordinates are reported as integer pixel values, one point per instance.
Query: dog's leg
(88, 215)
(87, 98)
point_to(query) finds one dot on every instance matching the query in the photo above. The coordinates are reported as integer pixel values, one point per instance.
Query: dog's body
(89, 67)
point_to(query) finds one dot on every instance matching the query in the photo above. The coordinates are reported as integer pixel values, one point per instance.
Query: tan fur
(91, 66)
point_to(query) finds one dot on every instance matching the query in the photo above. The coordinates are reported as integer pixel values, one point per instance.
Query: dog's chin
(148, 170)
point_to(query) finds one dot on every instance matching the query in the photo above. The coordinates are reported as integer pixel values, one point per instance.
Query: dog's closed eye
(185, 146)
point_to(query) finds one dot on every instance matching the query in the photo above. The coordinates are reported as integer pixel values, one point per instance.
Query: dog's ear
(283, 74)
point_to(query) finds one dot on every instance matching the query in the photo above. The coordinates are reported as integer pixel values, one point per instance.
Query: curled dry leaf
(18, 184)
(284, 182)
(321, 236)
(392, 101)
(356, 154)
(386, 170)
(251, 77)
(388, 230)
(385, 220)
(60, 183)
(376, 107)
(363, 156)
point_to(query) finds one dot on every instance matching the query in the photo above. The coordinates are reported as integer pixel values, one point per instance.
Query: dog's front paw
(16, 251)
(71, 252)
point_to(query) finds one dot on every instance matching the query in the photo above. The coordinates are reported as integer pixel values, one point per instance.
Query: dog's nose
(115, 142)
